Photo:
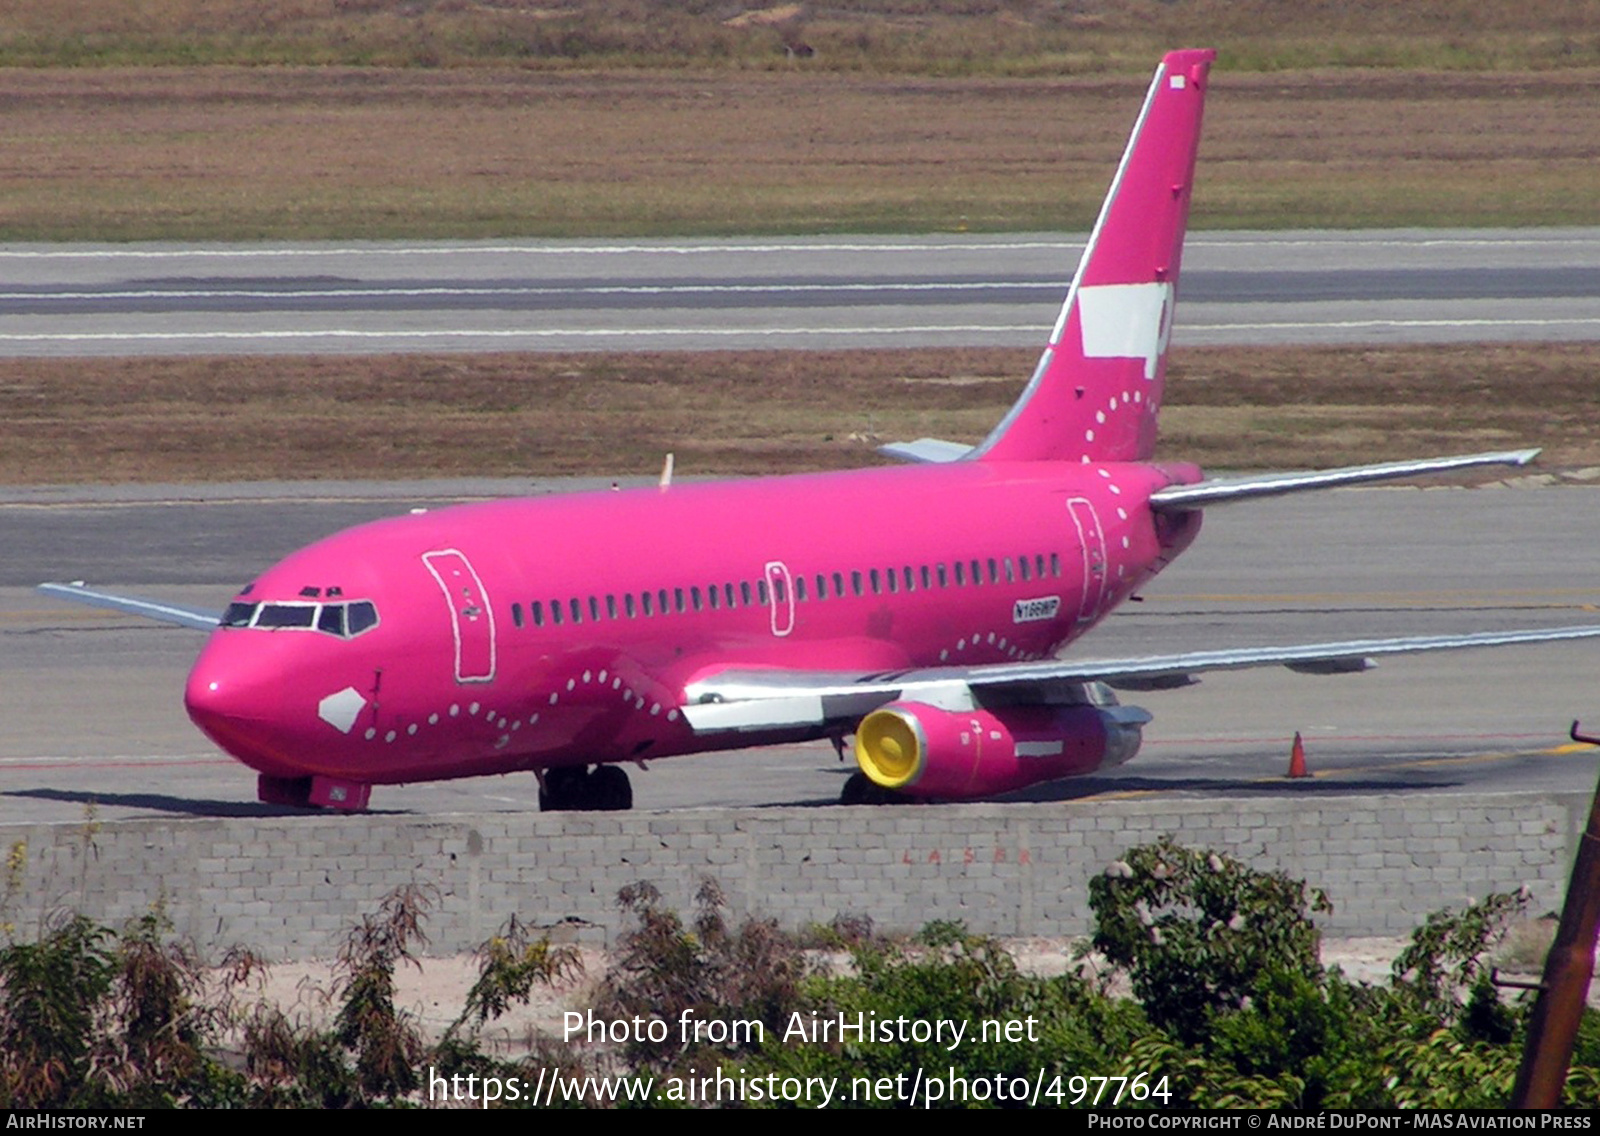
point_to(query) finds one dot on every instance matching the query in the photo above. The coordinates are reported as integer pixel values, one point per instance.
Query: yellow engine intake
(891, 748)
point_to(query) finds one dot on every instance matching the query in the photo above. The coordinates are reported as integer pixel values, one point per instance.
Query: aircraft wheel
(859, 789)
(609, 789)
(564, 790)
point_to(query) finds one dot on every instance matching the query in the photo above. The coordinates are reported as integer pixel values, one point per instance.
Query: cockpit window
(287, 615)
(239, 614)
(341, 620)
(331, 619)
(362, 616)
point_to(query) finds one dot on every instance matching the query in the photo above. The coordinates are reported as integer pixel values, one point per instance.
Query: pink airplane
(920, 608)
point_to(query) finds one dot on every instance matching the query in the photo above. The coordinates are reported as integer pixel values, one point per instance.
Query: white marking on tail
(1126, 321)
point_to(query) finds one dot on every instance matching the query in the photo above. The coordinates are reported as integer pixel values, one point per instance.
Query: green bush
(1196, 931)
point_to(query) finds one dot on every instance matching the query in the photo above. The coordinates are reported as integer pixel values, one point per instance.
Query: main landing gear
(573, 788)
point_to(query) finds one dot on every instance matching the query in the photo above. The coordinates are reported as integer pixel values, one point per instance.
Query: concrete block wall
(290, 886)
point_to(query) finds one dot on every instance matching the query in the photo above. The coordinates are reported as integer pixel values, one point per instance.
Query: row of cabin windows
(836, 585)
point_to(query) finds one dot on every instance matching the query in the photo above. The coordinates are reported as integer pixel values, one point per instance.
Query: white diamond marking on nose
(340, 710)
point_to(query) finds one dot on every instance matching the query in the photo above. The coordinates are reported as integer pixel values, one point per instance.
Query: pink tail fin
(1098, 386)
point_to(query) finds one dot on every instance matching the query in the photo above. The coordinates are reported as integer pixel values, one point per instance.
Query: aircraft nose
(236, 700)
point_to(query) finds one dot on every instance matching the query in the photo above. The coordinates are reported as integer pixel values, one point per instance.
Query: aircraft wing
(198, 618)
(756, 700)
(1223, 490)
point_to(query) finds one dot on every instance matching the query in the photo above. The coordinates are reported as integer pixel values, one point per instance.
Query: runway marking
(1368, 324)
(974, 242)
(1524, 599)
(728, 332)
(507, 333)
(87, 294)
(977, 244)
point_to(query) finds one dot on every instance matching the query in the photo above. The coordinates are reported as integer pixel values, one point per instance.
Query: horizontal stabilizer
(198, 618)
(927, 450)
(1222, 490)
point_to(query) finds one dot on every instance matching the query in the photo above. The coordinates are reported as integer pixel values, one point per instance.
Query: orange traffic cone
(1297, 758)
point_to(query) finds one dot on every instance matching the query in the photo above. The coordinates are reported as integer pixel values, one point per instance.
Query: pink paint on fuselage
(587, 689)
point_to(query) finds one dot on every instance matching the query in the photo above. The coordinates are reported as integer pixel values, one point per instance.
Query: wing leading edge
(752, 701)
(1222, 490)
(197, 618)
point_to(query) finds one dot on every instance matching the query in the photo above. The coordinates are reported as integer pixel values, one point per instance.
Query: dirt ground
(68, 421)
(273, 153)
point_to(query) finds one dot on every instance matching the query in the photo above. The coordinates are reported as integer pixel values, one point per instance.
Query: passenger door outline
(1092, 539)
(779, 580)
(471, 613)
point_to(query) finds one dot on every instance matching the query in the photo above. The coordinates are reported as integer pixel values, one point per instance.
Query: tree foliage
(1231, 1007)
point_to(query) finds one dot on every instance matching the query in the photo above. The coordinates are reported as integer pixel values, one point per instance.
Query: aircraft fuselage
(538, 633)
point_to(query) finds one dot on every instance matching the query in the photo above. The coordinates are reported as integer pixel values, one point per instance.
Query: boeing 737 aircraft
(919, 608)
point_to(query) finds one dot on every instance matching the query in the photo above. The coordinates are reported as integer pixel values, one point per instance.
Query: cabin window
(926, 581)
(536, 609)
(800, 588)
(611, 607)
(1038, 565)
(1011, 576)
(1055, 564)
(1022, 563)
(961, 574)
(516, 614)
(627, 605)
(838, 584)
(594, 608)
(728, 591)
(744, 591)
(677, 600)
(714, 596)
(646, 602)
(892, 580)
(694, 598)
(761, 590)
(877, 583)
(780, 590)
(911, 582)
(944, 581)
(855, 583)
(661, 601)
(577, 610)
(977, 573)
(555, 612)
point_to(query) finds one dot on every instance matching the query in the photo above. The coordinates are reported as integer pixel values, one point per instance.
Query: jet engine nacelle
(948, 755)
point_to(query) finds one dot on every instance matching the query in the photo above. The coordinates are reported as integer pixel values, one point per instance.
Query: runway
(940, 290)
(91, 701)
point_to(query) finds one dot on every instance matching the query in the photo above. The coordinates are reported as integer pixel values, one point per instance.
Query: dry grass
(746, 412)
(227, 153)
(1033, 37)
